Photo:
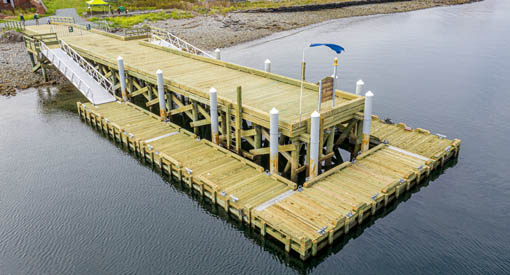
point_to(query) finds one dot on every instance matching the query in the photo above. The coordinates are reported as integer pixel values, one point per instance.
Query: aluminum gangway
(92, 84)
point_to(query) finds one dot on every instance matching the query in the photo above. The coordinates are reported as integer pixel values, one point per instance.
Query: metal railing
(158, 34)
(61, 19)
(103, 81)
(77, 81)
(14, 25)
(137, 32)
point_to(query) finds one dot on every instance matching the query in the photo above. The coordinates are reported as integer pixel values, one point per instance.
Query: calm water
(72, 202)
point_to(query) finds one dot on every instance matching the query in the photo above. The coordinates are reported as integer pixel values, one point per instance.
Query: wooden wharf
(304, 219)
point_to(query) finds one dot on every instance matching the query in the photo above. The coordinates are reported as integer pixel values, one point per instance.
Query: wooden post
(194, 113)
(228, 123)
(149, 92)
(359, 134)
(329, 145)
(169, 103)
(258, 142)
(294, 165)
(31, 56)
(239, 119)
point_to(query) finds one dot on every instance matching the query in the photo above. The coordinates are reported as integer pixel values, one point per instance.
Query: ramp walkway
(84, 76)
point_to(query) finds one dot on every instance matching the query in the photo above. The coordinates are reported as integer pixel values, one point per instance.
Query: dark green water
(73, 202)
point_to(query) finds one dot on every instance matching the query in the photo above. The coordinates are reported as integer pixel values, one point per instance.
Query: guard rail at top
(103, 81)
(14, 25)
(137, 32)
(61, 19)
(178, 42)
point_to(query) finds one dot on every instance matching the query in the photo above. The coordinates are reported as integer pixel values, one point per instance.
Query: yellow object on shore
(97, 3)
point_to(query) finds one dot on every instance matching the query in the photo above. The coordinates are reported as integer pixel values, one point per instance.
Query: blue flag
(337, 48)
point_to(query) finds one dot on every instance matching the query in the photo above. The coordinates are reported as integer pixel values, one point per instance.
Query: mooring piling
(367, 119)
(359, 87)
(122, 76)
(273, 141)
(314, 144)
(217, 54)
(161, 94)
(213, 101)
(267, 66)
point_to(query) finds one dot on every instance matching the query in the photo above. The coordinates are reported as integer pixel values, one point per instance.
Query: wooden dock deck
(195, 75)
(304, 220)
(224, 177)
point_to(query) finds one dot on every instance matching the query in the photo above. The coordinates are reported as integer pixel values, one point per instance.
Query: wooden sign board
(327, 89)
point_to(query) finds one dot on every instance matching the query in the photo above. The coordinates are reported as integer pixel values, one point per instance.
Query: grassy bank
(128, 21)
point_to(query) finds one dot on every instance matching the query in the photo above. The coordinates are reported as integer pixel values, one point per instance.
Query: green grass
(14, 16)
(79, 5)
(129, 21)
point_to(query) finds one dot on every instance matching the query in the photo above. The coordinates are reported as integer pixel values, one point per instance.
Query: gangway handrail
(101, 79)
(74, 76)
(178, 42)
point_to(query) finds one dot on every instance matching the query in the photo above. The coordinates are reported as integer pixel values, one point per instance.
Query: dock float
(305, 219)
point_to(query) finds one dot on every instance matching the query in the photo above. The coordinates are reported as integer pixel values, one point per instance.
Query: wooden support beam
(248, 133)
(359, 134)
(222, 120)
(204, 112)
(181, 105)
(139, 91)
(229, 126)
(199, 123)
(345, 133)
(194, 112)
(181, 109)
(239, 118)
(329, 146)
(295, 160)
(152, 102)
(281, 149)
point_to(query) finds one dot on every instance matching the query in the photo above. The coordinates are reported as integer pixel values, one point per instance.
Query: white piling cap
(267, 61)
(159, 72)
(212, 90)
(273, 111)
(120, 58)
(217, 50)
(360, 82)
(369, 94)
(315, 114)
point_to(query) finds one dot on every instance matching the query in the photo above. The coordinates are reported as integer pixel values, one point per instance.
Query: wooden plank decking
(304, 220)
(195, 74)
(417, 141)
(224, 177)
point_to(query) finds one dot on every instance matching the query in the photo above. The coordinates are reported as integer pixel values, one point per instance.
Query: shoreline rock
(221, 31)
(16, 73)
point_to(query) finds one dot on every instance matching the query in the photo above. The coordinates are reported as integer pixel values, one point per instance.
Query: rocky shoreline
(206, 32)
(220, 31)
(16, 69)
